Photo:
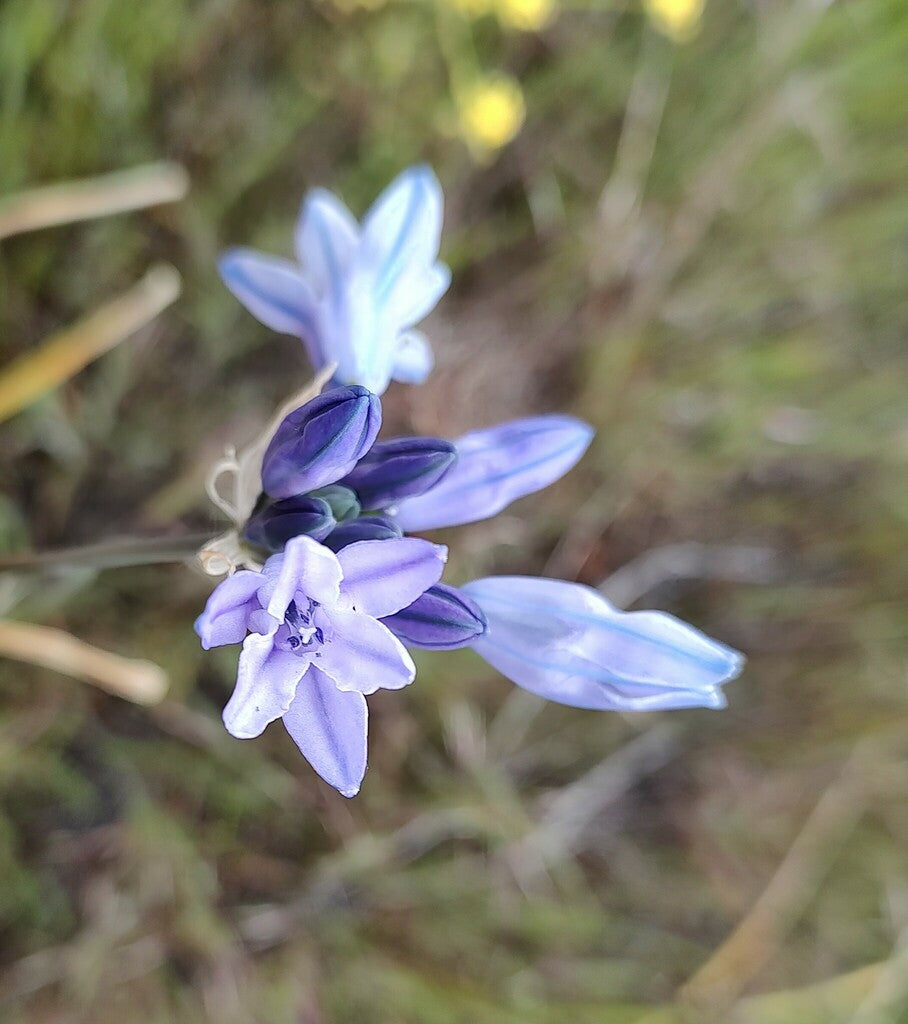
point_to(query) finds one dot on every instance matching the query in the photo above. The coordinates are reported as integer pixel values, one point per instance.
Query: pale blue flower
(496, 466)
(357, 291)
(565, 642)
(313, 645)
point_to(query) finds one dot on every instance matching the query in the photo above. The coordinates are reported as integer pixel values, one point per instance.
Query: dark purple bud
(321, 441)
(364, 528)
(272, 526)
(399, 469)
(441, 619)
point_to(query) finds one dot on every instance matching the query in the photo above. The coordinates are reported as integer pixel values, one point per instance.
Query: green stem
(109, 554)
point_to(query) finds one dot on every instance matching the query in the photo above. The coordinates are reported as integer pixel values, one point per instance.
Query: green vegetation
(702, 248)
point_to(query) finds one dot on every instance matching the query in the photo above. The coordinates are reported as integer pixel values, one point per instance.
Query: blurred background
(686, 224)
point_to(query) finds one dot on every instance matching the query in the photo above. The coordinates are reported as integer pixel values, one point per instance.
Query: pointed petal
(330, 728)
(326, 238)
(265, 684)
(413, 359)
(383, 576)
(403, 225)
(362, 654)
(227, 610)
(495, 467)
(417, 292)
(304, 566)
(565, 642)
(272, 289)
(441, 619)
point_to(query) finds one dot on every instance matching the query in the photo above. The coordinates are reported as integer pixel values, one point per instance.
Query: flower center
(302, 633)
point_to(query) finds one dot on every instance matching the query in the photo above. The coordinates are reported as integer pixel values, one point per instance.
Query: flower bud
(364, 528)
(441, 619)
(401, 468)
(273, 525)
(321, 441)
(565, 642)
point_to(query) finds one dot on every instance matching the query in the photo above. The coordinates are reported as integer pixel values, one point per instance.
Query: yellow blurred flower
(529, 15)
(677, 19)
(490, 112)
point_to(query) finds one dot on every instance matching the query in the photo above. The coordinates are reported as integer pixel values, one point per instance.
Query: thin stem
(110, 554)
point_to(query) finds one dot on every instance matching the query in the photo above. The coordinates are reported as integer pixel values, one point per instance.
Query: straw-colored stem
(137, 680)
(135, 189)
(63, 354)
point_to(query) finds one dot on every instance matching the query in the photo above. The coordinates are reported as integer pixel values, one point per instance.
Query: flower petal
(441, 619)
(413, 359)
(330, 727)
(273, 290)
(383, 576)
(304, 566)
(266, 682)
(417, 292)
(403, 225)
(362, 654)
(224, 620)
(326, 238)
(495, 467)
(565, 642)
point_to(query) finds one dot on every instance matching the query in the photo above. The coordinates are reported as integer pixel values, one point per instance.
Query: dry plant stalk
(62, 355)
(135, 679)
(718, 983)
(135, 189)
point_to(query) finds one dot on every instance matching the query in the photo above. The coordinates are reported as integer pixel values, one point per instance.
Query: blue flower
(565, 642)
(496, 466)
(356, 292)
(327, 620)
(313, 645)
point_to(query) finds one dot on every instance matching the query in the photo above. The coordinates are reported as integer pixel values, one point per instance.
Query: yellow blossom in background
(678, 19)
(529, 15)
(490, 112)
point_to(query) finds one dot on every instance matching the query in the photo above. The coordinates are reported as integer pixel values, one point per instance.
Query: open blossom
(313, 645)
(355, 292)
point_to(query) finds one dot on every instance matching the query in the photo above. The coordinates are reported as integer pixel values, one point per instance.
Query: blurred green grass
(737, 335)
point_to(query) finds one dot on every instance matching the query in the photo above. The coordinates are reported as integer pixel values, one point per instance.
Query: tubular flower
(565, 642)
(356, 291)
(313, 645)
(496, 466)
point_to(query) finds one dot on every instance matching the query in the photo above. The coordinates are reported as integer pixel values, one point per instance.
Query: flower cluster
(334, 591)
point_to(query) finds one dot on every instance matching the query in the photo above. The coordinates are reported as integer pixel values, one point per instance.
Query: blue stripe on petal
(495, 467)
(272, 289)
(565, 642)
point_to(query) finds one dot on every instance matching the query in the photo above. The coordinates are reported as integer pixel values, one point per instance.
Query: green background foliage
(702, 249)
